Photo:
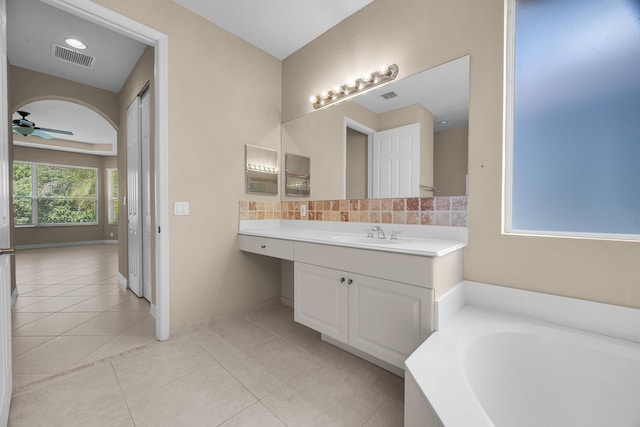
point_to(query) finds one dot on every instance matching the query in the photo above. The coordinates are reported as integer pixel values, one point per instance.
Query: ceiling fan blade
(23, 130)
(41, 134)
(66, 132)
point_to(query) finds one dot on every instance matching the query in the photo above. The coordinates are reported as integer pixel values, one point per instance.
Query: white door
(388, 320)
(145, 174)
(134, 234)
(321, 300)
(395, 157)
(5, 266)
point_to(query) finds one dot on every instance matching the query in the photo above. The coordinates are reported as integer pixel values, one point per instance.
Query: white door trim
(6, 297)
(100, 15)
(352, 124)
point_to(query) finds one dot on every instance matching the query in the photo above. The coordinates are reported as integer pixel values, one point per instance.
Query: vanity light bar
(260, 168)
(367, 81)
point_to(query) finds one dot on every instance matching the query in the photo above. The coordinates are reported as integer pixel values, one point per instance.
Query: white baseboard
(286, 301)
(122, 280)
(14, 296)
(60, 244)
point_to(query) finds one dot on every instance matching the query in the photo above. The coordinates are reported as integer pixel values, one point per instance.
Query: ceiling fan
(26, 127)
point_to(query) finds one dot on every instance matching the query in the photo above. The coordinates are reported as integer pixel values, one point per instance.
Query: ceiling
(91, 132)
(33, 27)
(278, 27)
(443, 90)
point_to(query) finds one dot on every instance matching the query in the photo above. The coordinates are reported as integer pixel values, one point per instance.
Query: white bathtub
(489, 368)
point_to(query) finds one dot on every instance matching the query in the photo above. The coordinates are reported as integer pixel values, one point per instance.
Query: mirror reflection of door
(382, 164)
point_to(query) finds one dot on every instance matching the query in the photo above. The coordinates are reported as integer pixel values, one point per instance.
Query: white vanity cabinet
(321, 299)
(376, 302)
(380, 317)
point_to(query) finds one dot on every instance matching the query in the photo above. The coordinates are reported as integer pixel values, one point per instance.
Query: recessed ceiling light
(443, 122)
(75, 43)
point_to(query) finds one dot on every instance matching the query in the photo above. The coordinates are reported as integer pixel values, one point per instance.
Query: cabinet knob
(263, 246)
(350, 281)
(342, 279)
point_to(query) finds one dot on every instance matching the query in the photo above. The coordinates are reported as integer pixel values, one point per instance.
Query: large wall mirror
(427, 113)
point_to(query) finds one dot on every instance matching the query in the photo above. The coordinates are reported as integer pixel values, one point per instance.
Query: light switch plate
(181, 208)
(303, 210)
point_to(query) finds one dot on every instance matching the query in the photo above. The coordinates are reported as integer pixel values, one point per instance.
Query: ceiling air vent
(389, 95)
(68, 55)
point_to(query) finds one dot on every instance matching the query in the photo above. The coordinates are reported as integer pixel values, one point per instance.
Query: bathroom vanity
(373, 297)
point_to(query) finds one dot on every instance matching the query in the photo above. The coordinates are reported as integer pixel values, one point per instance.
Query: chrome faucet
(379, 230)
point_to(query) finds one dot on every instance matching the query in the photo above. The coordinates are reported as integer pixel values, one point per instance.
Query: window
(54, 195)
(112, 183)
(573, 125)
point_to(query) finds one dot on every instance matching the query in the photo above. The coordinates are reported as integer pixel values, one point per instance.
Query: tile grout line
(124, 396)
(375, 410)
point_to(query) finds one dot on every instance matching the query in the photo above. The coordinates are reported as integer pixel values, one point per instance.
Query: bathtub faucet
(379, 229)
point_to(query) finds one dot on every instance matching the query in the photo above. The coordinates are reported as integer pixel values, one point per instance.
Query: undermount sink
(364, 240)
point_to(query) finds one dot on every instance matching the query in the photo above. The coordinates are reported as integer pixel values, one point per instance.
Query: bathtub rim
(437, 366)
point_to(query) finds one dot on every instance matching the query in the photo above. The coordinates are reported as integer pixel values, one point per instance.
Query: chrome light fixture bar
(367, 81)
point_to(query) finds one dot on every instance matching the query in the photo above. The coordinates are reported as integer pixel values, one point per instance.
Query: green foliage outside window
(22, 193)
(112, 176)
(64, 195)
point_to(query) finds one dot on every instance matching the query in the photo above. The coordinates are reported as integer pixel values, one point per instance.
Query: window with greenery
(51, 194)
(572, 165)
(112, 183)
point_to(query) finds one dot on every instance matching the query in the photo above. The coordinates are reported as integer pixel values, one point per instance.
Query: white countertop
(421, 240)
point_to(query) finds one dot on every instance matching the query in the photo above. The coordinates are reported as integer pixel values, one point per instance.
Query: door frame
(352, 124)
(6, 360)
(107, 18)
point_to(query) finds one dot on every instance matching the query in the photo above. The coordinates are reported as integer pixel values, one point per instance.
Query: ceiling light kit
(75, 43)
(367, 81)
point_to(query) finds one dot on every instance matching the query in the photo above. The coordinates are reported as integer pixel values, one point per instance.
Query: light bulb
(366, 77)
(75, 43)
(351, 82)
(384, 69)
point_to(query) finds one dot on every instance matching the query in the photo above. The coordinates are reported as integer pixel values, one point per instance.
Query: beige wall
(320, 136)
(68, 233)
(415, 113)
(141, 74)
(420, 34)
(450, 159)
(223, 94)
(357, 161)
(28, 86)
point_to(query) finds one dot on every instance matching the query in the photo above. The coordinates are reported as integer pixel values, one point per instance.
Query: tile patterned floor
(71, 311)
(256, 368)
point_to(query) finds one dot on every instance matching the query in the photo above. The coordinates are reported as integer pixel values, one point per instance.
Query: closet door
(145, 174)
(134, 232)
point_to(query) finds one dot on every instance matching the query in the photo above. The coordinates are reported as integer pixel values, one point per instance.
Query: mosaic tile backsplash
(448, 211)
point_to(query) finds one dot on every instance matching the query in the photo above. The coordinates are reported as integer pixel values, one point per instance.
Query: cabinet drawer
(412, 269)
(276, 248)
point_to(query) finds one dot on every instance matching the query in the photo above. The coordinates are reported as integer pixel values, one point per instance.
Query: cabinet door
(321, 300)
(388, 320)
